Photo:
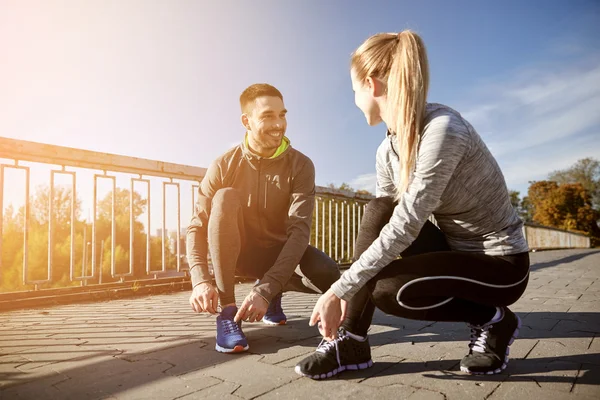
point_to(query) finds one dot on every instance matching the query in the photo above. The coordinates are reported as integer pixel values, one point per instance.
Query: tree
(12, 249)
(585, 172)
(345, 186)
(514, 199)
(123, 204)
(566, 206)
(37, 252)
(526, 210)
(521, 206)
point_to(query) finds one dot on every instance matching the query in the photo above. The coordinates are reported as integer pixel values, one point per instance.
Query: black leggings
(431, 282)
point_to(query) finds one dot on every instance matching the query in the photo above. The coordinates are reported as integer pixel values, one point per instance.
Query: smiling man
(254, 213)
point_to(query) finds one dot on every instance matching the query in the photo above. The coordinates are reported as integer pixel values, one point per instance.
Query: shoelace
(230, 326)
(479, 336)
(325, 346)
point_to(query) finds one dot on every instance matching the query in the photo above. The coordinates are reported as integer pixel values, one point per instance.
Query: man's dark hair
(257, 90)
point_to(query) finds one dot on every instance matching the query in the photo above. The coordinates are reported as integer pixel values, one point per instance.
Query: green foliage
(37, 244)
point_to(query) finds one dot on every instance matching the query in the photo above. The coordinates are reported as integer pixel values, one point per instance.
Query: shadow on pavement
(563, 260)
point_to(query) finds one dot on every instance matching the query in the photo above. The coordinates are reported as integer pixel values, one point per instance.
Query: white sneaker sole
(274, 323)
(350, 367)
(236, 349)
(505, 363)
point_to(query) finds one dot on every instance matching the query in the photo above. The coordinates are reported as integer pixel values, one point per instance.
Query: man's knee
(225, 201)
(317, 266)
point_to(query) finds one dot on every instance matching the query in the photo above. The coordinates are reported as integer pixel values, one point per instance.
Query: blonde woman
(432, 162)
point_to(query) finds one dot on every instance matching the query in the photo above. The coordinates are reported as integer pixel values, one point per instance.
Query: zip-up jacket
(278, 197)
(457, 180)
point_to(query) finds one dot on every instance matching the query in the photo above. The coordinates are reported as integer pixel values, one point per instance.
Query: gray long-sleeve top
(457, 180)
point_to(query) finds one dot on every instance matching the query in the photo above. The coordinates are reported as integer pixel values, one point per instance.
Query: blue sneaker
(274, 314)
(230, 338)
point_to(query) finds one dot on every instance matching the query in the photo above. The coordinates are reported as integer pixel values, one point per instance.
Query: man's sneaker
(274, 314)
(230, 338)
(490, 344)
(331, 358)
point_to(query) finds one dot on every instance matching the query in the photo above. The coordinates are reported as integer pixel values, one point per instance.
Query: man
(254, 213)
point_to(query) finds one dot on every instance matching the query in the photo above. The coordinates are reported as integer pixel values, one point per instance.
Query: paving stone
(166, 388)
(277, 352)
(156, 347)
(588, 381)
(186, 358)
(221, 391)
(305, 388)
(531, 390)
(86, 383)
(9, 372)
(254, 377)
(424, 394)
(552, 375)
(590, 306)
(522, 347)
(35, 390)
(594, 345)
(566, 349)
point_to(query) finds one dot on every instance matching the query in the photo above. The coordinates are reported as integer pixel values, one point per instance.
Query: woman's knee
(383, 294)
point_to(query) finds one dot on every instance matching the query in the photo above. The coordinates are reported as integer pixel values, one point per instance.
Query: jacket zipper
(258, 197)
(267, 181)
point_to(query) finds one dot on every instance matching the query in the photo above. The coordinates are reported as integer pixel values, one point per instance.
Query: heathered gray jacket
(456, 179)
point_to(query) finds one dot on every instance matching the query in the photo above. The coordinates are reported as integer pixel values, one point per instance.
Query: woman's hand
(330, 311)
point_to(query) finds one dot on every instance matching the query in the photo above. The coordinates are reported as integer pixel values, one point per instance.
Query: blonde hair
(401, 60)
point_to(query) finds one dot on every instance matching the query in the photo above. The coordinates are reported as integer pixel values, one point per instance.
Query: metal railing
(117, 220)
(336, 219)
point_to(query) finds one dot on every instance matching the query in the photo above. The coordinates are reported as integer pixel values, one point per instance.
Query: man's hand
(253, 308)
(204, 298)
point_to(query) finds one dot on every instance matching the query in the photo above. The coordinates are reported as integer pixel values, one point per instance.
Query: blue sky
(161, 79)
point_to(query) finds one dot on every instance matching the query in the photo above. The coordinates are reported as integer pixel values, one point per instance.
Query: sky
(161, 79)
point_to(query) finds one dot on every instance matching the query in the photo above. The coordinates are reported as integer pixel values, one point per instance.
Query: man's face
(266, 124)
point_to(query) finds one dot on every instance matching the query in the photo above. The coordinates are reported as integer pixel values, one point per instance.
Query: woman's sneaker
(230, 338)
(331, 358)
(490, 343)
(274, 314)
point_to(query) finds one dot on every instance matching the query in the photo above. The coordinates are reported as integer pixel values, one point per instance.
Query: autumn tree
(566, 206)
(585, 172)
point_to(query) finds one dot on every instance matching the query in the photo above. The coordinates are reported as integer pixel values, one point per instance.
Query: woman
(431, 163)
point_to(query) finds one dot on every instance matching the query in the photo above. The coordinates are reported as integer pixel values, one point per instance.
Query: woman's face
(365, 98)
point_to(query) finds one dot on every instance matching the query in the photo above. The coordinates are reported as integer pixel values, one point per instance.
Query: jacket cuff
(267, 290)
(344, 289)
(199, 274)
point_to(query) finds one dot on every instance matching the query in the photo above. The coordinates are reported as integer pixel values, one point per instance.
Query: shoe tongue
(228, 312)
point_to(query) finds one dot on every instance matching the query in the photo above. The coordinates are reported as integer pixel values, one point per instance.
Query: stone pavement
(157, 348)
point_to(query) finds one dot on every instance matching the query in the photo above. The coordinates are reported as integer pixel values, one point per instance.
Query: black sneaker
(489, 347)
(331, 358)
